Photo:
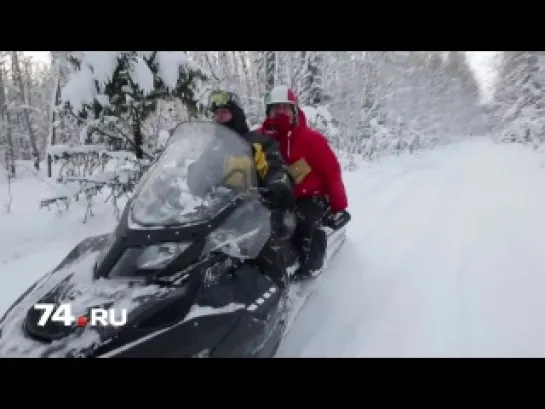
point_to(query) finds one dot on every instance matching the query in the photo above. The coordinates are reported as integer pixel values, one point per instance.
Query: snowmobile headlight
(158, 256)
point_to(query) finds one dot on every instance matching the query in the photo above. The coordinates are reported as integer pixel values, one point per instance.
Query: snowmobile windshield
(203, 168)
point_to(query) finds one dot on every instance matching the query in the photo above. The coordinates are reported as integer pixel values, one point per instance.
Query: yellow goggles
(219, 99)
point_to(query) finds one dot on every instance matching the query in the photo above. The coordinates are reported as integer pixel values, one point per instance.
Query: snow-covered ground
(445, 256)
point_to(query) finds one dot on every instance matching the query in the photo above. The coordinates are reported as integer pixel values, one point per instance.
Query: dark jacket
(272, 171)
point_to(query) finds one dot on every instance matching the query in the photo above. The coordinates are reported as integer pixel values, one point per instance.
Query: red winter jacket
(324, 178)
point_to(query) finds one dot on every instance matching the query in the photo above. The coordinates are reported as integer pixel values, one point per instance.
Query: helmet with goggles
(223, 99)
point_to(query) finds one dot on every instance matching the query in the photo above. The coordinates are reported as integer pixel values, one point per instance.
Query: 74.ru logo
(97, 316)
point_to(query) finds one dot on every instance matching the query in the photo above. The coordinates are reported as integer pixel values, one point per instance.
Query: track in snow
(445, 258)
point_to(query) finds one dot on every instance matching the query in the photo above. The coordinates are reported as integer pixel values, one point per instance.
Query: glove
(337, 220)
(267, 196)
(278, 124)
(276, 198)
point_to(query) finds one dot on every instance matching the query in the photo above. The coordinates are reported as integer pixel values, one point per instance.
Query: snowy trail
(446, 259)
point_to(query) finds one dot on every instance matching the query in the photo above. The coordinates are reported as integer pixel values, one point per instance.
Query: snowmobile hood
(71, 283)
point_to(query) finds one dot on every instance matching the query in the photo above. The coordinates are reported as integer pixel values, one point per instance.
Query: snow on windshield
(187, 184)
(166, 196)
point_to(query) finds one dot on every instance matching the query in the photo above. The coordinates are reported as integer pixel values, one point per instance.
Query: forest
(97, 119)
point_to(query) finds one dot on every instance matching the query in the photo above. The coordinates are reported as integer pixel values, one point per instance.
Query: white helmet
(281, 95)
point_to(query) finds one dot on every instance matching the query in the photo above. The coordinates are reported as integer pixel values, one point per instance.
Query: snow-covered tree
(111, 96)
(519, 98)
(88, 108)
(115, 92)
(26, 86)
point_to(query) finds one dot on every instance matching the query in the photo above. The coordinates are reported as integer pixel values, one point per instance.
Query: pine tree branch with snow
(111, 95)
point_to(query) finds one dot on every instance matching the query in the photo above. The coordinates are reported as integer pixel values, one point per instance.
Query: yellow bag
(261, 164)
(300, 170)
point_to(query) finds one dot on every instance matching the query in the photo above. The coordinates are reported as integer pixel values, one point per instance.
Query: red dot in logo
(82, 321)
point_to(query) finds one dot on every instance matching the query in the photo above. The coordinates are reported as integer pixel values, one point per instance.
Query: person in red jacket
(319, 188)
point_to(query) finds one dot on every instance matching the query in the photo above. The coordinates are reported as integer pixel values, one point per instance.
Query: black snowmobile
(180, 262)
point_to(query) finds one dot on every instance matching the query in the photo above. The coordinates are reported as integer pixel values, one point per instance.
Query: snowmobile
(180, 263)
